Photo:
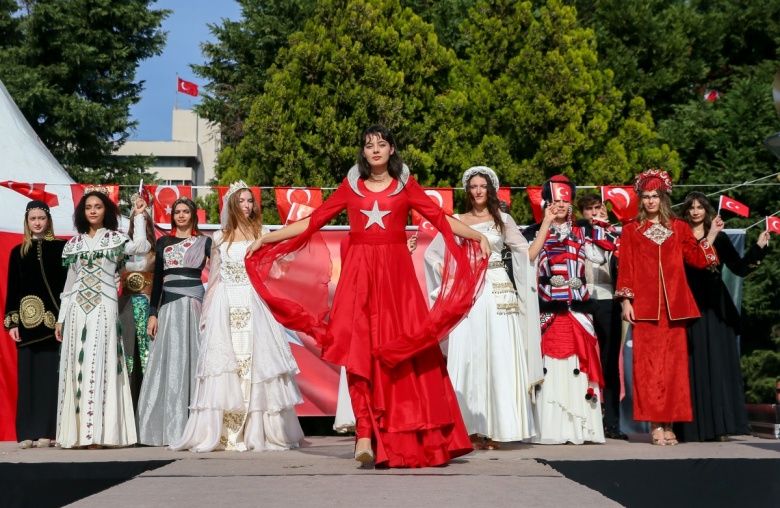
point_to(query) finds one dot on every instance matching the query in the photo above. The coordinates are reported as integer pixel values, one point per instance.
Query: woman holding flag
(657, 301)
(717, 393)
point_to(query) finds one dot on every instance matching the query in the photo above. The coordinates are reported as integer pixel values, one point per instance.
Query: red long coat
(649, 272)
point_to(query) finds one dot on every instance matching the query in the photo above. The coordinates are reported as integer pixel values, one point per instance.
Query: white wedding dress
(494, 354)
(245, 392)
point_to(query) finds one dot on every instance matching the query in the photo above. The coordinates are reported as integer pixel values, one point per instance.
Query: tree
(531, 102)
(236, 63)
(446, 17)
(355, 63)
(72, 73)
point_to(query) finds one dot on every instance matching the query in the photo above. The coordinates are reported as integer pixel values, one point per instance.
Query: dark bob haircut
(110, 219)
(394, 166)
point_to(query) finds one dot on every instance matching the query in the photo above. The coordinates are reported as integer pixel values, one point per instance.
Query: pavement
(323, 473)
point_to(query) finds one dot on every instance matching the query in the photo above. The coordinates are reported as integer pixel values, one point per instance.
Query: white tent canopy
(25, 159)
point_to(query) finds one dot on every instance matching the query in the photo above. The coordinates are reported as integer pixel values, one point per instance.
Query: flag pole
(720, 204)
(176, 100)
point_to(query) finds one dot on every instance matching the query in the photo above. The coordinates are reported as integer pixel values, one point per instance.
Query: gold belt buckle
(135, 282)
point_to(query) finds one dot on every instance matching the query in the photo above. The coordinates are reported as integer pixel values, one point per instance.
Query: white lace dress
(95, 406)
(494, 357)
(245, 393)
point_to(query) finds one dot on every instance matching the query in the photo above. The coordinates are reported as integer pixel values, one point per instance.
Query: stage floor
(322, 473)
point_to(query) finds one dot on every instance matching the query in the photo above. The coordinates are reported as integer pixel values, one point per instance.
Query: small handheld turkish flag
(560, 192)
(773, 224)
(625, 205)
(187, 87)
(726, 203)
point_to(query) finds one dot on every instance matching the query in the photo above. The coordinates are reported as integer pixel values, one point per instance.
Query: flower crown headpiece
(653, 179)
(235, 187)
(96, 188)
(479, 170)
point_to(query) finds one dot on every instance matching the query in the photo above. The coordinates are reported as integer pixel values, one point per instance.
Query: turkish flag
(505, 195)
(164, 197)
(221, 191)
(560, 191)
(625, 204)
(535, 197)
(732, 205)
(296, 203)
(77, 191)
(187, 87)
(443, 198)
(33, 191)
(773, 224)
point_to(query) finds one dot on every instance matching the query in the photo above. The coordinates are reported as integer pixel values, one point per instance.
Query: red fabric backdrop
(318, 380)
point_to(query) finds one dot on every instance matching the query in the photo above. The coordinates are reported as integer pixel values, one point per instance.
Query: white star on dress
(375, 216)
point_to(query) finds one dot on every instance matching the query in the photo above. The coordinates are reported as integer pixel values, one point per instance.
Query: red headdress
(653, 179)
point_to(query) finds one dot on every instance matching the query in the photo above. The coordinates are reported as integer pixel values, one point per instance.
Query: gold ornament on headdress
(96, 188)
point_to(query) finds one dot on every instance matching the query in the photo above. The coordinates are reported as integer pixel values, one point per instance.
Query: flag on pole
(625, 204)
(773, 224)
(187, 87)
(733, 205)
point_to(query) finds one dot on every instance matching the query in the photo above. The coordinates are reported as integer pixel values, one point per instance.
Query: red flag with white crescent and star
(443, 198)
(297, 203)
(732, 205)
(186, 87)
(535, 197)
(34, 191)
(560, 191)
(164, 197)
(773, 225)
(625, 204)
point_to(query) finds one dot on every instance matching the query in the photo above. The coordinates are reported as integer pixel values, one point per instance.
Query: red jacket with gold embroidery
(652, 259)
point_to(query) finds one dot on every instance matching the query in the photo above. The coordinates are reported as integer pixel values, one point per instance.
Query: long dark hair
(493, 204)
(394, 166)
(193, 215)
(709, 211)
(110, 218)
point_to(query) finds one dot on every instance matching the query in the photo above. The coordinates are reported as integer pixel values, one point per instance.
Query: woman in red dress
(656, 300)
(379, 324)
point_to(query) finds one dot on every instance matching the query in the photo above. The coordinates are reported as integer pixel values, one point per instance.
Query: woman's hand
(151, 328)
(550, 211)
(140, 206)
(14, 333)
(411, 243)
(254, 246)
(763, 239)
(628, 311)
(717, 224)
(58, 332)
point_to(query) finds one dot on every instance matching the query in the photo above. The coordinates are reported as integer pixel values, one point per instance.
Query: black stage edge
(687, 483)
(52, 484)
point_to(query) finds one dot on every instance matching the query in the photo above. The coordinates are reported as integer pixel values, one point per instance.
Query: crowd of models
(532, 345)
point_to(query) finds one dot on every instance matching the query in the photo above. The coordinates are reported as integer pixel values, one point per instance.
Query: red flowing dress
(652, 275)
(379, 325)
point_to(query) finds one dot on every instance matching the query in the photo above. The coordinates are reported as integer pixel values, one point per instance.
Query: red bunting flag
(625, 204)
(773, 224)
(535, 197)
(732, 205)
(297, 203)
(187, 87)
(164, 197)
(77, 191)
(34, 191)
(505, 195)
(443, 198)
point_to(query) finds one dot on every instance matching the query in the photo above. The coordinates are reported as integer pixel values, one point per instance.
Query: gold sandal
(658, 441)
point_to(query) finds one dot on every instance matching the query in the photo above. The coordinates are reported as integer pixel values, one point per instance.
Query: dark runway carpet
(688, 483)
(54, 484)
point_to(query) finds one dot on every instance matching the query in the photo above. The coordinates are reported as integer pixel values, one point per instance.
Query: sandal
(43, 443)
(670, 440)
(659, 441)
(27, 443)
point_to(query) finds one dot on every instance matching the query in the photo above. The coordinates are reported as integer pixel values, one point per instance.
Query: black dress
(717, 392)
(35, 282)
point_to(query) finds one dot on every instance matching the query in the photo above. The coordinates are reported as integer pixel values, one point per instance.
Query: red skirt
(662, 391)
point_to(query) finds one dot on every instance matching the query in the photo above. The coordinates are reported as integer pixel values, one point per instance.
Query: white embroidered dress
(95, 406)
(494, 354)
(245, 392)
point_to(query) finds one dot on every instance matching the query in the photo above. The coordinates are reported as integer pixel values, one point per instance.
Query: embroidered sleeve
(624, 293)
